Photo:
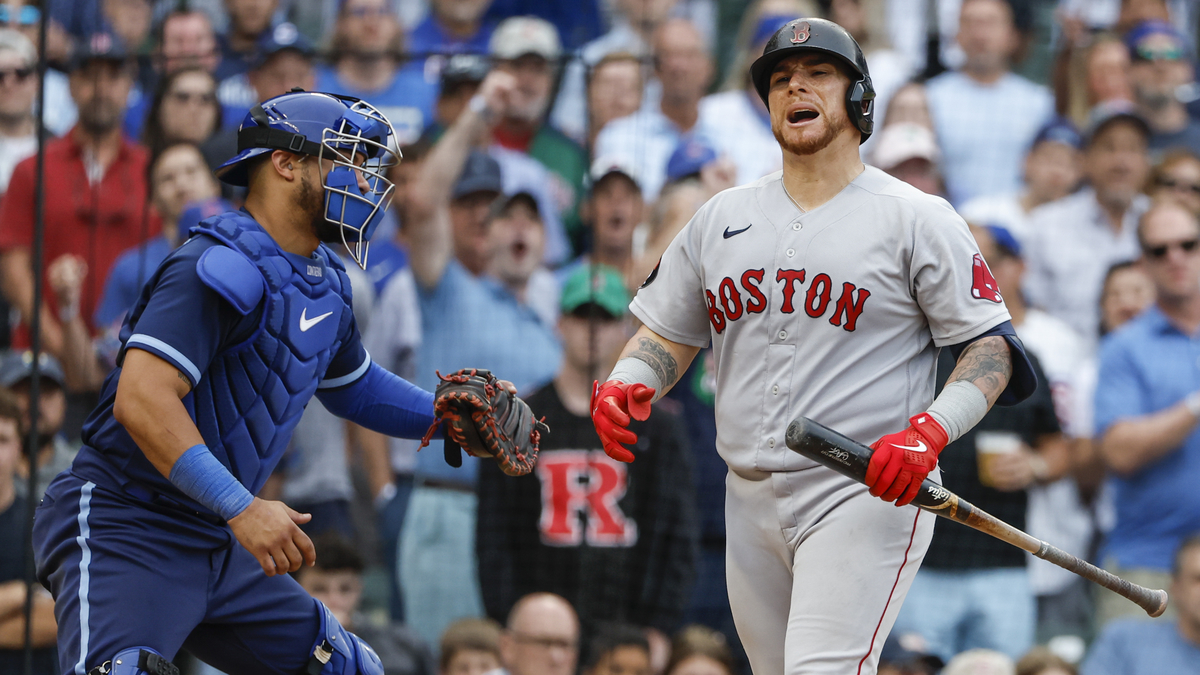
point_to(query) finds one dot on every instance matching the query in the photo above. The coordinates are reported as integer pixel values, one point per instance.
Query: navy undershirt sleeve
(1023, 381)
(382, 402)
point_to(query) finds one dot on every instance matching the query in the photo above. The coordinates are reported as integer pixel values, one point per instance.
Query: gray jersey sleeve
(394, 334)
(671, 301)
(950, 280)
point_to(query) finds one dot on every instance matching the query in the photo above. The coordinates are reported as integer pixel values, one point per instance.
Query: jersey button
(770, 442)
(783, 335)
(791, 252)
(775, 390)
(796, 226)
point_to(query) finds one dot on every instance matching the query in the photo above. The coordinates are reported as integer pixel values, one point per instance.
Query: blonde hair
(1078, 106)
(980, 662)
(1040, 659)
(481, 635)
(696, 640)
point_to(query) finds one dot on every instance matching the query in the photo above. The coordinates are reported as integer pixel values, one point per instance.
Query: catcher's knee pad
(136, 661)
(337, 651)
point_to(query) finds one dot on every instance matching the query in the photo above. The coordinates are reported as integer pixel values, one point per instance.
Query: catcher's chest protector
(253, 394)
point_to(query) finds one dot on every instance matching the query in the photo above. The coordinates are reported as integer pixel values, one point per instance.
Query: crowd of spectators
(552, 150)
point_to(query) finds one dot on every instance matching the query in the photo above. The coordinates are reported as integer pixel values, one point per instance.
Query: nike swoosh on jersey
(919, 447)
(729, 234)
(306, 323)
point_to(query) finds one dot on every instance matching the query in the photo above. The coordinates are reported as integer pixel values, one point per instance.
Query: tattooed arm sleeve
(666, 359)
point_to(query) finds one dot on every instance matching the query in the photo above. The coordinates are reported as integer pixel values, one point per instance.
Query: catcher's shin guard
(340, 652)
(136, 661)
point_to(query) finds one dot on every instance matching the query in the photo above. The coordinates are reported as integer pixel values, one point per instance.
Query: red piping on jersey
(895, 583)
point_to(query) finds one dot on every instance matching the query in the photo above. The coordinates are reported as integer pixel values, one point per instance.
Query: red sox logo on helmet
(800, 33)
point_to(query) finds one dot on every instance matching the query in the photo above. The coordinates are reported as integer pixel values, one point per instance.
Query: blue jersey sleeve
(382, 402)
(185, 322)
(351, 361)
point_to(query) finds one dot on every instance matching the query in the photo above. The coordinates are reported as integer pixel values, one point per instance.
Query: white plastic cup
(988, 446)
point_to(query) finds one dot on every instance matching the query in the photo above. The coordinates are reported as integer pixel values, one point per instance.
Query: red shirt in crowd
(96, 222)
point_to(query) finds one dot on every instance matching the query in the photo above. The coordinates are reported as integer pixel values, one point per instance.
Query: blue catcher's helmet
(349, 132)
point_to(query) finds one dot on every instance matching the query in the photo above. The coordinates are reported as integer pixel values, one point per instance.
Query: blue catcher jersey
(255, 329)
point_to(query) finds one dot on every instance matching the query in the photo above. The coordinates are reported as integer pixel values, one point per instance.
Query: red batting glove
(903, 459)
(613, 403)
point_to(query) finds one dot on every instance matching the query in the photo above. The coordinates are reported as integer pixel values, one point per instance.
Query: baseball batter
(826, 291)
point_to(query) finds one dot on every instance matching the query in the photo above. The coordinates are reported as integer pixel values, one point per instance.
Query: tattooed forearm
(184, 378)
(987, 364)
(658, 358)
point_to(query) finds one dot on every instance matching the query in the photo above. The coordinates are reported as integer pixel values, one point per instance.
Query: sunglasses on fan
(16, 75)
(1172, 184)
(1160, 251)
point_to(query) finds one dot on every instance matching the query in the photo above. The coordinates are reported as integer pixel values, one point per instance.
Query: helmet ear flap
(860, 104)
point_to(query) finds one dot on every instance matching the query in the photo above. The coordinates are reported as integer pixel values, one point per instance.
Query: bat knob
(796, 431)
(1162, 603)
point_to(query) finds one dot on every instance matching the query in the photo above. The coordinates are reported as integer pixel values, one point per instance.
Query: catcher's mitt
(477, 414)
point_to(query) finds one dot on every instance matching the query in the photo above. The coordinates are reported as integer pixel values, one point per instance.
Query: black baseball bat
(850, 458)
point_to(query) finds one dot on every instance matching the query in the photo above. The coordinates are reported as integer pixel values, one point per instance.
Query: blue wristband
(200, 476)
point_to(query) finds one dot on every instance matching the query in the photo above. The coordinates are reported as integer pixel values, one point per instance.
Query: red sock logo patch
(983, 285)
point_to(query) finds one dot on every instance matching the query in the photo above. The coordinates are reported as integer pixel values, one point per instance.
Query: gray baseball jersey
(833, 314)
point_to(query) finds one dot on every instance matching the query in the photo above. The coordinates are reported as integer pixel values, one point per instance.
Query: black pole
(35, 336)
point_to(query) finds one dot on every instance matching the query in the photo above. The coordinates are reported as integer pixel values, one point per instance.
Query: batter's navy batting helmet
(819, 35)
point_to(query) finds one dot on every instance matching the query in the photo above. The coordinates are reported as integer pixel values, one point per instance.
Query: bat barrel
(851, 459)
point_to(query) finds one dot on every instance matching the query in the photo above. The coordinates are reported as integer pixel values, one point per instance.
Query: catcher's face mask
(360, 146)
(350, 133)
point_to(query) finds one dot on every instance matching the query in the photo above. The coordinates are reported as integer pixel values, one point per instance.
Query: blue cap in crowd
(17, 365)
(99, 46)
(767, 25)
(690, 156)
(1059, 130)
(481, 173)
(1106, 114)
(1155, 40)
(282, 37)
(1005, 240)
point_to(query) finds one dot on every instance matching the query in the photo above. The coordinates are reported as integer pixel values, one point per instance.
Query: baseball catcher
(154, 539)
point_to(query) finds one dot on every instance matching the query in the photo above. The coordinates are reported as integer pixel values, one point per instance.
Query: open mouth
(798, 116)
(519, 250)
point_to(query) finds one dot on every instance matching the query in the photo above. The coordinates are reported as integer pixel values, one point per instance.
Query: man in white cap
(614, 209)
(910, 152)
(529, 49)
